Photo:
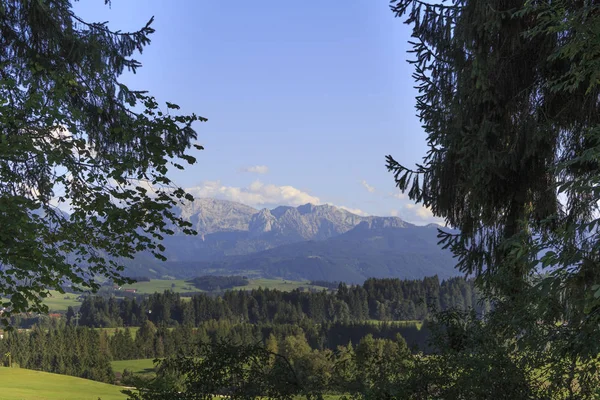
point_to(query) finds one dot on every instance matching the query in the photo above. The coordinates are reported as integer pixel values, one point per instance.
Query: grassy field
(25, 384)
(279, 284)
(57, 301)
(160, 285)
(142, 367)
(61, 302)
(181, 286)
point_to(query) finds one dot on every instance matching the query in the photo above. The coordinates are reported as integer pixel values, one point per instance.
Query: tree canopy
(83, 158)
(509, 97)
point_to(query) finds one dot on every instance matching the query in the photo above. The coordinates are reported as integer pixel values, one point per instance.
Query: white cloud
(256, 194)
(259, 194)
(356, 211)
(370, 188)
(394, 213)
(417, 213)
(256, 169)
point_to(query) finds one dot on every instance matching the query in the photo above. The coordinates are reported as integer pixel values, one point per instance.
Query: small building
(130, 290)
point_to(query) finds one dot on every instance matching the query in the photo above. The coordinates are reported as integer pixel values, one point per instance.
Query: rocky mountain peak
(261, 222)
(212, 215)
(306, 222)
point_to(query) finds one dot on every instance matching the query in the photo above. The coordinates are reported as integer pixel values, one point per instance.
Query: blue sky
(303, 99)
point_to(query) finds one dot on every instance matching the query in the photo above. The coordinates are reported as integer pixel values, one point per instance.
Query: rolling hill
(25, 384)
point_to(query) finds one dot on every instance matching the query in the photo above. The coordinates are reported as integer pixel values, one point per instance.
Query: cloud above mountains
(257, 194)
(267, 195)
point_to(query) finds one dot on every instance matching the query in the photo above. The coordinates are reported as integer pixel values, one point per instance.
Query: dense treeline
(61, 349)
(322, 321)
(152, 341)
(284, 370)
(84, 352)
(216, 283)
(325, 284)
(376, 299)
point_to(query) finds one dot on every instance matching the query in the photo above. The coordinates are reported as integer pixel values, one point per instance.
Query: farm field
(181, 286)
(160, 285)
(25, 384)
(279, 284)
(143, 366)
(61, 302)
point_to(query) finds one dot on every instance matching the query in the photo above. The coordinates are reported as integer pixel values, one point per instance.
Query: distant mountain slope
(212, 215)
(227, 228)
(306, 242)
(372, 249)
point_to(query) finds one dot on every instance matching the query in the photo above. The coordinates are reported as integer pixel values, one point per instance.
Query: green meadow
(143, 366)
(280, 284)
(25, 384)
(57, 301)
(160, 285)
(181, 286)
(416, 323)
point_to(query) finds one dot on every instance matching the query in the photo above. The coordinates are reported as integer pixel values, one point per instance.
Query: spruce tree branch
(102, 27)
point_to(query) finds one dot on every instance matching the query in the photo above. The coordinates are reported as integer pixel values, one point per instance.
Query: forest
(317, 331)
(376, 299)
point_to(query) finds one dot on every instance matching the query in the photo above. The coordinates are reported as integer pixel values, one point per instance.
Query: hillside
(226, 228)
(303, 243)
(25, 384)
(369, 250)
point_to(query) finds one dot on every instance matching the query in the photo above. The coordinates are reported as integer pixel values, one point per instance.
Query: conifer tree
(509, 97)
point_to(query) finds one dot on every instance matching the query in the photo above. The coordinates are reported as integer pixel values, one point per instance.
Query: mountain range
(315, 242)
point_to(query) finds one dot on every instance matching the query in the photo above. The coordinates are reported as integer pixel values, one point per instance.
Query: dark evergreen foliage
(214, 282)
(509, 97)
(376, 299)
(61, 349)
